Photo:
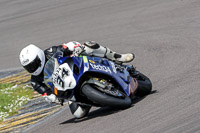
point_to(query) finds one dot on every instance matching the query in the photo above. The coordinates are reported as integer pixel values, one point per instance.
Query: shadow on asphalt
(104, 111)
(138, 99)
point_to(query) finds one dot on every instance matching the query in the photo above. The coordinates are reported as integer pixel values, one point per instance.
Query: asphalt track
(164, 35)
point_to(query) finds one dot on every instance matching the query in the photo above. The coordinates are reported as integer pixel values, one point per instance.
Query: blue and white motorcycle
(95, 81)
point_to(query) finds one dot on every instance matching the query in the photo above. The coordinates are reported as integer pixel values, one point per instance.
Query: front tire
(144, 85)
(104, 99)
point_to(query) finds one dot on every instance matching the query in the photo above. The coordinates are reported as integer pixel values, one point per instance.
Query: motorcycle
(95, 81)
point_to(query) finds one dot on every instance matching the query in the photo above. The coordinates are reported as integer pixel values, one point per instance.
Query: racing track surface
(164, 35)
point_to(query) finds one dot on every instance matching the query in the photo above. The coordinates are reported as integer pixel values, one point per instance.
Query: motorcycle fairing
(63, 78)
(97, 66)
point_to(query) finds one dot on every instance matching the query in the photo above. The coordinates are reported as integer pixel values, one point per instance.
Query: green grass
(12, 97)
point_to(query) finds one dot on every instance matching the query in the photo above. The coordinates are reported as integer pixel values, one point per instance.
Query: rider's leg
(79, 111)
(94, 49)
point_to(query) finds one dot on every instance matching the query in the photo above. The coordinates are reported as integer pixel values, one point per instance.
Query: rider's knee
(77, 110)
(92, 44)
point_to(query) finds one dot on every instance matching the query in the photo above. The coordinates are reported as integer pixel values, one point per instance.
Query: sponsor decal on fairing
(100, 68)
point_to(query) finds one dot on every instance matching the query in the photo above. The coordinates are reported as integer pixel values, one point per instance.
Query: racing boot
(94, 49)
(119, 58)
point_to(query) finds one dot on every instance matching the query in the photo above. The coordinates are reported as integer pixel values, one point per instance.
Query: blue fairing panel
(97, 65)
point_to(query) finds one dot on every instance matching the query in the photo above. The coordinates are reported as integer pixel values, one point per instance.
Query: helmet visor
(34, 65)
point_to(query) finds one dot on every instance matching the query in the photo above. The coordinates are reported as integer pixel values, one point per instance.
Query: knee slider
(77, 110)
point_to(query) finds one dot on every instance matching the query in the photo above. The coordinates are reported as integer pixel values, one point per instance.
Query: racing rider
(33, 59)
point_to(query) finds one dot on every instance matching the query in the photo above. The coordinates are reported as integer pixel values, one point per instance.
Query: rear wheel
(99, 97)
(144, 85)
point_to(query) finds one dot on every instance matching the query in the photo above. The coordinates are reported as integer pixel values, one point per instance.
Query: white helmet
(32, 59)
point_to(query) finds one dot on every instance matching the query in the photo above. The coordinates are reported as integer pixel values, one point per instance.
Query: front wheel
(104, 99)
(144, 85)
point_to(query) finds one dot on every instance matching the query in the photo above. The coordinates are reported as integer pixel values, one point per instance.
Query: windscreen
(50, 66)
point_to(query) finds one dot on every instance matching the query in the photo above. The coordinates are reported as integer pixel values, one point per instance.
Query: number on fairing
(60, 81)
(59, 75)
(65, 72)
(63, 78)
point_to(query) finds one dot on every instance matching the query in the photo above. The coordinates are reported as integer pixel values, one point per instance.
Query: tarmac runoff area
(35, 110)
(163, 34)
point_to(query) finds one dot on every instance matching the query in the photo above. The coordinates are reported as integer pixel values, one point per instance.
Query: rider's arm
(73, 48)
(39, 86)
(50, 51)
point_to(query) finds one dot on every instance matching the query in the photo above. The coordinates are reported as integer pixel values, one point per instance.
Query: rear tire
(144, 85)
(103, 99)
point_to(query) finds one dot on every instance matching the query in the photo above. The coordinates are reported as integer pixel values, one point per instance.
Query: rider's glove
(50, 98)
(75, 47)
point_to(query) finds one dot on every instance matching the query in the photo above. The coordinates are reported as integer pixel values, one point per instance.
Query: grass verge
(12, 97)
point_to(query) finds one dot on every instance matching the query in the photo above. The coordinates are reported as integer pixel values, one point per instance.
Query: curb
(35, 110)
